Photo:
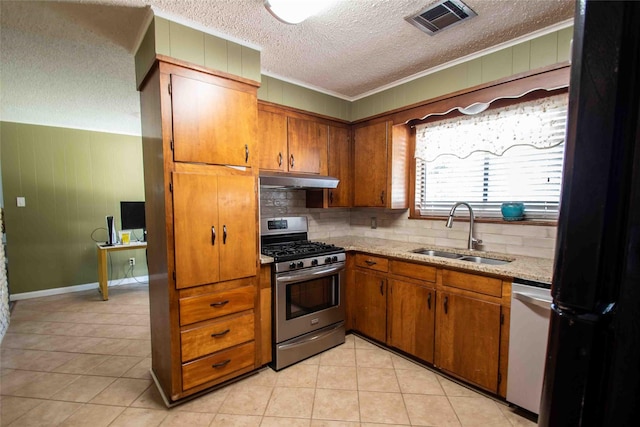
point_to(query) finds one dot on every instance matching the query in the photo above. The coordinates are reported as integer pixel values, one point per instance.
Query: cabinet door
(468, 339)
(237, 219)
(272, 139)
(196, 232)
(212, 123)
(339, 166)
(412, 318)
(370, 165)
(371, 305)
(307, 146)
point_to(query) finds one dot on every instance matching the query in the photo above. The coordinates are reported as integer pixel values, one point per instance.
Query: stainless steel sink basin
(482, 260)
(461, 257)
(441, 254)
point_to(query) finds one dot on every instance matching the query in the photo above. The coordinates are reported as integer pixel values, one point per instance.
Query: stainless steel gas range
(308, 291)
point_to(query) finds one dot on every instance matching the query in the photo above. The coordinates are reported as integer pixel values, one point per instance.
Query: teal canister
(512, 211)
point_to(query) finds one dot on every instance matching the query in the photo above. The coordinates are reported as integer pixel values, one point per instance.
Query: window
(506, 154)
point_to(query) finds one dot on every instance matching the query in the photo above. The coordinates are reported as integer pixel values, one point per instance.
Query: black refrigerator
(592, 373)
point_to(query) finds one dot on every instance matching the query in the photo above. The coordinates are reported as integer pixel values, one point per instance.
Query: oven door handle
(301, 276)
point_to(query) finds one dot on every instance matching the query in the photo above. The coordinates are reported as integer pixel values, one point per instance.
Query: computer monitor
(132, 216)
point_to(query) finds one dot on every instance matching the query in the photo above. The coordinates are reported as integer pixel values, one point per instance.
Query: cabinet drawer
(471, 282)
(217, 365)
(416, 271)
(209, 306)
(216, 336)
(372, 262)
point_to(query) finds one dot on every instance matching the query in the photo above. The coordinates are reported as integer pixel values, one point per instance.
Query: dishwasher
(530, 313)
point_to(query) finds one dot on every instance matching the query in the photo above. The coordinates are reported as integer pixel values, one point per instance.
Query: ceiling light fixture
(295, 11)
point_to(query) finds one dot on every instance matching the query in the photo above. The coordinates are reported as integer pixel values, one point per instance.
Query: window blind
(509, 154)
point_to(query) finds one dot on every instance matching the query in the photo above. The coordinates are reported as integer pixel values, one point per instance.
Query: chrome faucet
(473, 242)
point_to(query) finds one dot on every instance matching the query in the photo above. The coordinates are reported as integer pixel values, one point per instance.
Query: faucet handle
(476, 242)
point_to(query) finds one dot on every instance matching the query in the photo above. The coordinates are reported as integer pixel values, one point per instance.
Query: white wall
(515, 239)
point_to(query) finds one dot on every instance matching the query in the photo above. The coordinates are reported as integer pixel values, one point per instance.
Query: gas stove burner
(298, 249)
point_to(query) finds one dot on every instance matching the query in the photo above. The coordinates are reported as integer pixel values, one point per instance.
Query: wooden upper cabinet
(308, 143)
(339, 166)
(468, 339)
(214, 121)
(411, 317)
(214, 228)
(272, 137)
(380, 166)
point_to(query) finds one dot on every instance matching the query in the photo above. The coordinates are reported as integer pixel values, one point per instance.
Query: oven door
(307, 300)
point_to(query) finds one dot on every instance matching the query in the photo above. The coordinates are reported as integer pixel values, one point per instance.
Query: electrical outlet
(132, 261)
(374, 222)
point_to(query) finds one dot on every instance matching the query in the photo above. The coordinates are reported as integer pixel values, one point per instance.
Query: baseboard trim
(76, 288)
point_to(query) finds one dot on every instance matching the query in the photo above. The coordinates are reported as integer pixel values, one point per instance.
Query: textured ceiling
(71, 63)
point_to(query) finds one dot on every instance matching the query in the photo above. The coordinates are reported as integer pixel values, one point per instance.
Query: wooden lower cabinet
(455, 320)
(468, 339)
(370, 309)
(411, 318)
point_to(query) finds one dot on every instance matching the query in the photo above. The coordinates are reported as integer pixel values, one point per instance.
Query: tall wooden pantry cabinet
(200, 171)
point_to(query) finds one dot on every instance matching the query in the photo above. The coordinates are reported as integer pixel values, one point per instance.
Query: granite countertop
(523, 267)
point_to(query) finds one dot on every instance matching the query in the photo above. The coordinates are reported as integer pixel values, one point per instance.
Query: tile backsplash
(515, 239)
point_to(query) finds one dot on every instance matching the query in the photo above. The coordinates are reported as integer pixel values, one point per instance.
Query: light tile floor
(75, 360)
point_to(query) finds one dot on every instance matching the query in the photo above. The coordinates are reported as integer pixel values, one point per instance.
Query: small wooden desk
(103, 278)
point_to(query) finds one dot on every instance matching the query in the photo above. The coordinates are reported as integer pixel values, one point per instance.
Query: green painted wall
(542, 51)
(71, 180)
(284, 93)
(178, 41)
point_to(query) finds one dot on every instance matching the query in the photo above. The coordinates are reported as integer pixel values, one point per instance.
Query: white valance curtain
(539, 123)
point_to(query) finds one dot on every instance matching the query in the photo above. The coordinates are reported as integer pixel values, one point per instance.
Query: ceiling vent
(441, 15)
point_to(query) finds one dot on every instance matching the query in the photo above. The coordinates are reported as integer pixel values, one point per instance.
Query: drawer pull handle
(280, 159)
(370, 263)
(246, 153)
(221, 364)
(292, 161)
(219, 304)
(219, 334)
(213, 235)
(224, 234)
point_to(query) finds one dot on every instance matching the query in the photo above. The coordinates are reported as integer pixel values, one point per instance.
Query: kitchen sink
(461, 257)
(441, 254)
(482, 260)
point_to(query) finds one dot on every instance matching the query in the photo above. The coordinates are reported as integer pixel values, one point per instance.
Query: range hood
(293, 180)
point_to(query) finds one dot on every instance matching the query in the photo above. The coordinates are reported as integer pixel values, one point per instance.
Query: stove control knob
(334, 258)
(292, 266)
(327, 260)
(300, 264)
(314, 262)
